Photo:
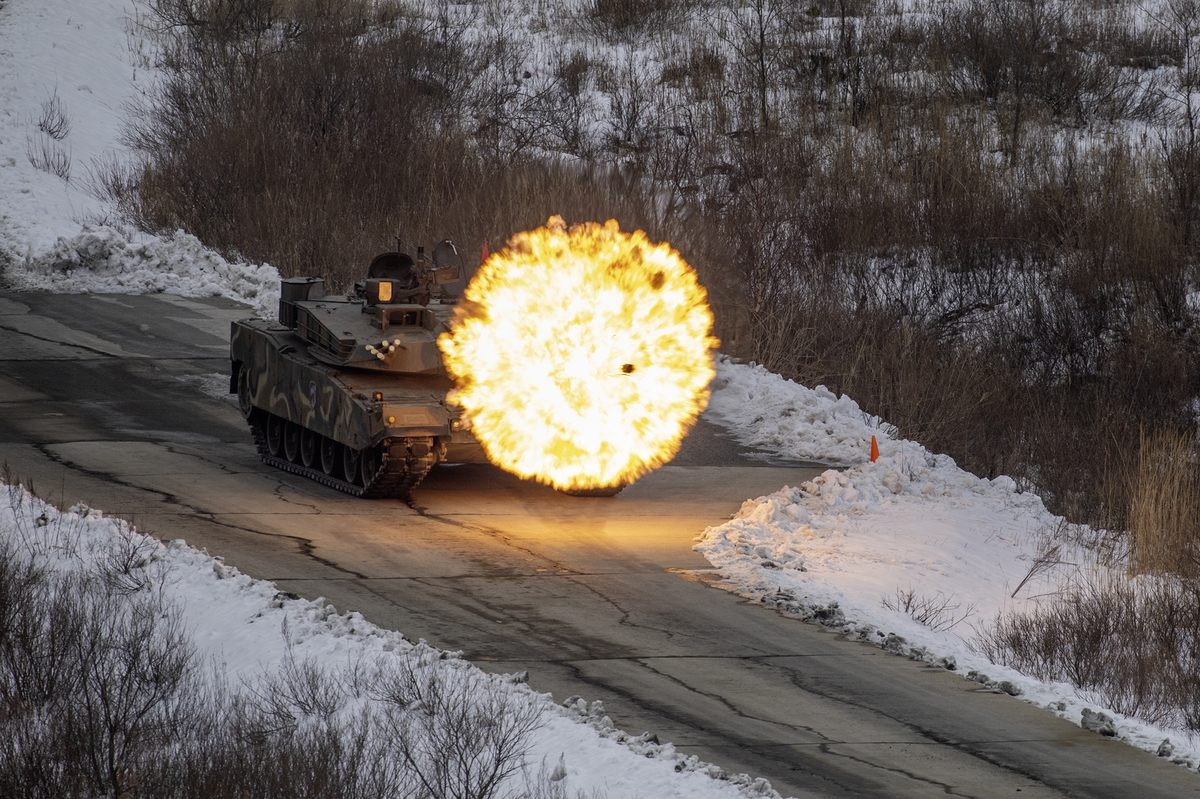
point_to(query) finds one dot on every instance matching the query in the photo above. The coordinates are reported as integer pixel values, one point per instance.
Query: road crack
(305, 546)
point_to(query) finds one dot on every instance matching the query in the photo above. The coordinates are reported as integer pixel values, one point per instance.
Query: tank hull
(399, 423)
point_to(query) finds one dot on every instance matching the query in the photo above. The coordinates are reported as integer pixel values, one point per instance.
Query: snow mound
(910, 521)
(100, 259)
(768, 412)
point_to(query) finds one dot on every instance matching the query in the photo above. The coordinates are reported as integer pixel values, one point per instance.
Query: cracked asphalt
(102, 401)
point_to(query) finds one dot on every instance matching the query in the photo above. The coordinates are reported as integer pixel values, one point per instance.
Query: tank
(351, 390)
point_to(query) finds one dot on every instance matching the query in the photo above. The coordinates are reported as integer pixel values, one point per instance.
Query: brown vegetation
(1164, 507)
(1130, 646)
(951, 216)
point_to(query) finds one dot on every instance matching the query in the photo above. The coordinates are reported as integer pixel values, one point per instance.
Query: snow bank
(770, 413)
(248, 628)
(868, 548)
(102, 259)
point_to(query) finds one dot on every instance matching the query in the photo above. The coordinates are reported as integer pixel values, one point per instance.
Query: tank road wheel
(275, 435)
(243, 393)
(330, 456)
(291, 441)
(350, 459)
(371, 462)
(308, 447)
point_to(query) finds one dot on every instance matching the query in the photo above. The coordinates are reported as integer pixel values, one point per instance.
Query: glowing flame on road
(582, 356)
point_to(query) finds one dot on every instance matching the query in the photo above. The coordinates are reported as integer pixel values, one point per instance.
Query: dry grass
(1164, 506)
(938, 612)
(318, 147)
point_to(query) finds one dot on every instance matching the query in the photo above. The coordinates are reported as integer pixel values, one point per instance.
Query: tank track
(608, 491)
(395, 477)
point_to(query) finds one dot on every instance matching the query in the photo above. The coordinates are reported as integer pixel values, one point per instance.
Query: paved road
(101, 399)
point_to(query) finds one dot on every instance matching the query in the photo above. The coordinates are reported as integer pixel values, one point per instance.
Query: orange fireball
(581, 355)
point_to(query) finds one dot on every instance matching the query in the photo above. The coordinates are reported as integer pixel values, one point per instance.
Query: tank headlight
(379, 396)
(391, 420)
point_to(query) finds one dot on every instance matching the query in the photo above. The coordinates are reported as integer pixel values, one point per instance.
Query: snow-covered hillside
(69, 74)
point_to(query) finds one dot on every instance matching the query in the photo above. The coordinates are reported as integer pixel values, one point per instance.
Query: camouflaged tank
(351, 390)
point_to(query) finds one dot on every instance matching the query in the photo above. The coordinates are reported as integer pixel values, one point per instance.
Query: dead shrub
(311, 143)
(457, 734)
(54, 121)
(1130, 645)
(1026, 56)
(90, 682)
(612, 17)
(938, 612)
(319, 141)
(101, 694)
(47, 155)
(702, 71)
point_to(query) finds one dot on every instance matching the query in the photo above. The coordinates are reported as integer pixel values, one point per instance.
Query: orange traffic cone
(874, 449)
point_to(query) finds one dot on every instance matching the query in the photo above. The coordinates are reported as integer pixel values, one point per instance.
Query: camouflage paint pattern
(329, 372)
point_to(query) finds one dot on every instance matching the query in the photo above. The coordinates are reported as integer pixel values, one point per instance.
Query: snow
(842, 547)
(768, 413)
(75, 52)
(102, 259)
(834, 550)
